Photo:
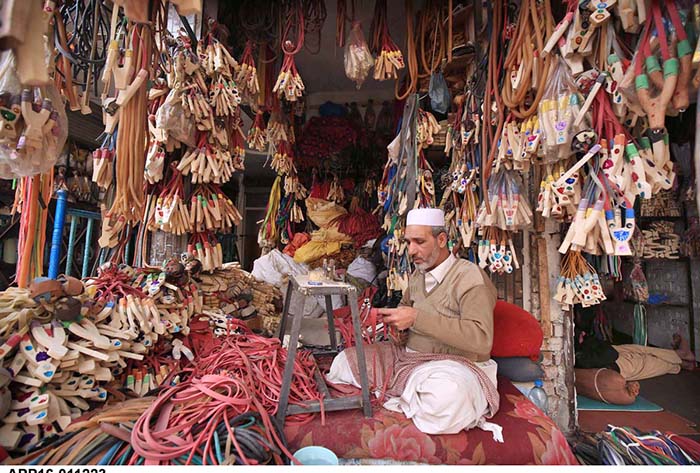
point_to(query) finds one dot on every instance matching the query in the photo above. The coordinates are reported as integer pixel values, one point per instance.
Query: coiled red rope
(234, 375)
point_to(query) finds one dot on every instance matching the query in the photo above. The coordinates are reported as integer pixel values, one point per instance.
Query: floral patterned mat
(530, 437)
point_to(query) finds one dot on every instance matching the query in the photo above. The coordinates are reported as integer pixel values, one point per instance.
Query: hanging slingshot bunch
(389, 57)
(578, 282)
(509, 210)
(559, 201)
(170, 214)
(247, 76)
(289, 84)
(257, 137)
(496, 251)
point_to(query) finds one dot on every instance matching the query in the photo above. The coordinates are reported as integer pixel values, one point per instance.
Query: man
(447, 312)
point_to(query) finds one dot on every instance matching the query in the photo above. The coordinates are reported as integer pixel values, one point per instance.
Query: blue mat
(584, 403)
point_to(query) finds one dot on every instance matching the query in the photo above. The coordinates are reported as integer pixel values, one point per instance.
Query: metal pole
(71, 243)
(86, 250)
(57, 237)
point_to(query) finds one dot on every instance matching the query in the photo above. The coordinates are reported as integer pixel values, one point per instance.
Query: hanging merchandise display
(247, 77)
(33, 130)
(565, 121)
(268, 235)
(358, 59)
(170, 213)
(638, 289)
(509, 209)
(578, 282)
(661, 241)
(196, 137)
(554, 126)
(257, 137)
(124, 103)
(389, 57)
(496, 251)
(31, 198)
(406, 184)
(289, 84)
(82, 54)
(460, 200)
(25, 31)
(526, 69)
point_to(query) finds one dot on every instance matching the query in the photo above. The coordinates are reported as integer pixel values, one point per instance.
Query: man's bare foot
(682, 349)
(633, 388)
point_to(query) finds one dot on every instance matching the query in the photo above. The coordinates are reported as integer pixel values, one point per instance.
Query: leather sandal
(71, 286)
(67, 309)
(46, 289)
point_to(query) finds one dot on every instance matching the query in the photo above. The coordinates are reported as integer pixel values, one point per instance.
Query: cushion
(519, 369)
(611, 386)
(515, 332)
(389, 437)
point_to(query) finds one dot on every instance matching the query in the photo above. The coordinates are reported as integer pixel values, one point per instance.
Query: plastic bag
(31, 136)
(275, 268)
(363, 269)
(556, 114)
(171, 118)
(439, 93)
(358, 58)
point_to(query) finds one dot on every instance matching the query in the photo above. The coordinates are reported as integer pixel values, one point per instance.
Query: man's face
(423, 247)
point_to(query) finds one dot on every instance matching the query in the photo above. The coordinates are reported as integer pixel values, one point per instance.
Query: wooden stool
(302, 285)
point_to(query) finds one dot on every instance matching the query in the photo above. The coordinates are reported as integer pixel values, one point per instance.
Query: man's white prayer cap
(428, 217)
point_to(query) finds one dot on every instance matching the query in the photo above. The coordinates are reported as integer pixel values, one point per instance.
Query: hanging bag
(439, 93)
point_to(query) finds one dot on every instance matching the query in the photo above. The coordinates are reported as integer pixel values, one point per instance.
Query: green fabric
(584, 403)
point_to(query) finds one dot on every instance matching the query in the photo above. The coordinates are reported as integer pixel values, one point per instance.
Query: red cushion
(515, 332)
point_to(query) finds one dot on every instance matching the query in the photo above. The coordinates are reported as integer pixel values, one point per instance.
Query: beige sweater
(457, 316)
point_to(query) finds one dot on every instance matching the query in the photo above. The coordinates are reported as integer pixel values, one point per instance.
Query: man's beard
(430, 262)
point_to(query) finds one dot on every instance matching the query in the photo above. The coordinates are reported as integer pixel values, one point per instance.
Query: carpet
(584, 403)
(665, 421)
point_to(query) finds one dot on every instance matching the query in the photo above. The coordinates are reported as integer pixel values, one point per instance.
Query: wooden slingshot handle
(655, 107)
(681, 98)
(31, 53)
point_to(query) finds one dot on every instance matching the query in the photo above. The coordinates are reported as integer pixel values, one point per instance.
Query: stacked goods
(661, 241)
(225, 403)
(230, 292)
(68, 344)
(75, 343)
(195, 132)
(324, 137)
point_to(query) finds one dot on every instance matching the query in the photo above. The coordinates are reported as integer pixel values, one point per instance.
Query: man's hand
(402, 317)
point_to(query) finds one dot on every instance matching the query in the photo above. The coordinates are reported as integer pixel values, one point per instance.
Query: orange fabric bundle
(299, 240)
